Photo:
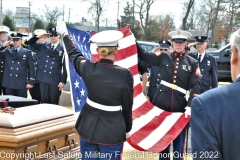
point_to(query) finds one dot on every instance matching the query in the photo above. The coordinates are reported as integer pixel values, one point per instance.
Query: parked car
(147, 46)
(222, 57)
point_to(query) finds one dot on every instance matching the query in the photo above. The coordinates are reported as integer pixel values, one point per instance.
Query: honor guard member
(179, 73)
(19, 69)
(207, 64)
(155, 77)
(51, 71)
(107, 114)
(4, 30)
(35, 91)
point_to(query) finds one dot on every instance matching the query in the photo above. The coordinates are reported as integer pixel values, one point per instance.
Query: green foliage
(38, 25)
(152, 32)
(69, 24)
(129, 20)
(51, 25)
(8, 22)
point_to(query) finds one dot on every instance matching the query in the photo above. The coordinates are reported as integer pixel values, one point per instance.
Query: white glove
(127, 135)
(187, 111)
(61, 27)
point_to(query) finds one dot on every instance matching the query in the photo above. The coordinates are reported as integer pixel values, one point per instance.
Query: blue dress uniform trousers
(178, 147)
(51, 93)
(17, 92)
(94, 151)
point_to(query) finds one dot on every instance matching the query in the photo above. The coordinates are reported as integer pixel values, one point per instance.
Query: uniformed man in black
(107, 114)
(51, 71)
(179, 73)
(19, 69)
(35, 91)
(155, 78)
(207, 64)
(3, 39)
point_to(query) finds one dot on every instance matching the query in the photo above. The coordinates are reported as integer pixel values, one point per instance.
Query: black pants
(35, 92)
(49, 93)
(17, 92)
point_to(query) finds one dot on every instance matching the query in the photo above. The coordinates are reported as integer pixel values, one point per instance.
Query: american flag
(153, 128)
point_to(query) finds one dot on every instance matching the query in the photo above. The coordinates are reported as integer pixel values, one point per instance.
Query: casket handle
(52, 145)
(71, 140)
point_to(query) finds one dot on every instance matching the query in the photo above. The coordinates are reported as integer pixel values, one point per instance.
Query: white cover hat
(107, 38)
(39, 32)
(4, 29)
(179, 36)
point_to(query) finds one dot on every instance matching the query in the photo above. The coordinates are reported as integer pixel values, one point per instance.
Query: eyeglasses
(163, 49)
(55, 35)
(15, 39)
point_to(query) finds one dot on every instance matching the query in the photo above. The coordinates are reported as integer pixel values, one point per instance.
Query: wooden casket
(42, 131)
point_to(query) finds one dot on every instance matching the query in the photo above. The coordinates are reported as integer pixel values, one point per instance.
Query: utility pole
(1, 12)
(118, 16)
(29, 18)
(63, 11)
(69, 15)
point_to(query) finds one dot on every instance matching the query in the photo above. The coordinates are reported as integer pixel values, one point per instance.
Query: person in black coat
(19, 69)
(155, 78)
(179, 73)
(51, 71)
(107, 115)
(3, 39)
(207, 64)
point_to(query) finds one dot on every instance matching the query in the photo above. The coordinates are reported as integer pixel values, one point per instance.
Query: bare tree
(144, 8)
(188, 6)
(96, 9)
(166, 24)
(212, 10)
(52, 15)
(231, 9)
(8, 12)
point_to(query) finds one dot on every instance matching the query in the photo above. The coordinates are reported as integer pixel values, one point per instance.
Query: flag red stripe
(134, 70)
(126, 52)
(126, 31)
(137, 89)
(170, 135)
(142, 133)
(142, 110)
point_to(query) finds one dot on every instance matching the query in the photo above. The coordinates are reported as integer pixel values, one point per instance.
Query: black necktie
(16, 51)
(199, 58)
(52, 47)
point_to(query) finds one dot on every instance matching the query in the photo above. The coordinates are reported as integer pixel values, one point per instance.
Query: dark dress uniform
(19, 70)
(51, 70)
(154, 82)
(179, 73)
(108, 86)
(208, 69)
(2, 89)
(35, 91)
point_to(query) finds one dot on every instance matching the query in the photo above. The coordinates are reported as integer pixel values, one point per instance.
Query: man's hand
(6, 44)
(45, 35)
(29, 86)
(157, 51)
(61, 86)
(187, 111)
(190, 45)
(61, 27)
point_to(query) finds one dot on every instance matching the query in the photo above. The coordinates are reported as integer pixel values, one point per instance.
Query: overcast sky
(79, 9)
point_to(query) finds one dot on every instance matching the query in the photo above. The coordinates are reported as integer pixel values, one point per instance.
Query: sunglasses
(15, 39)
(163, 49)
(55, 35)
